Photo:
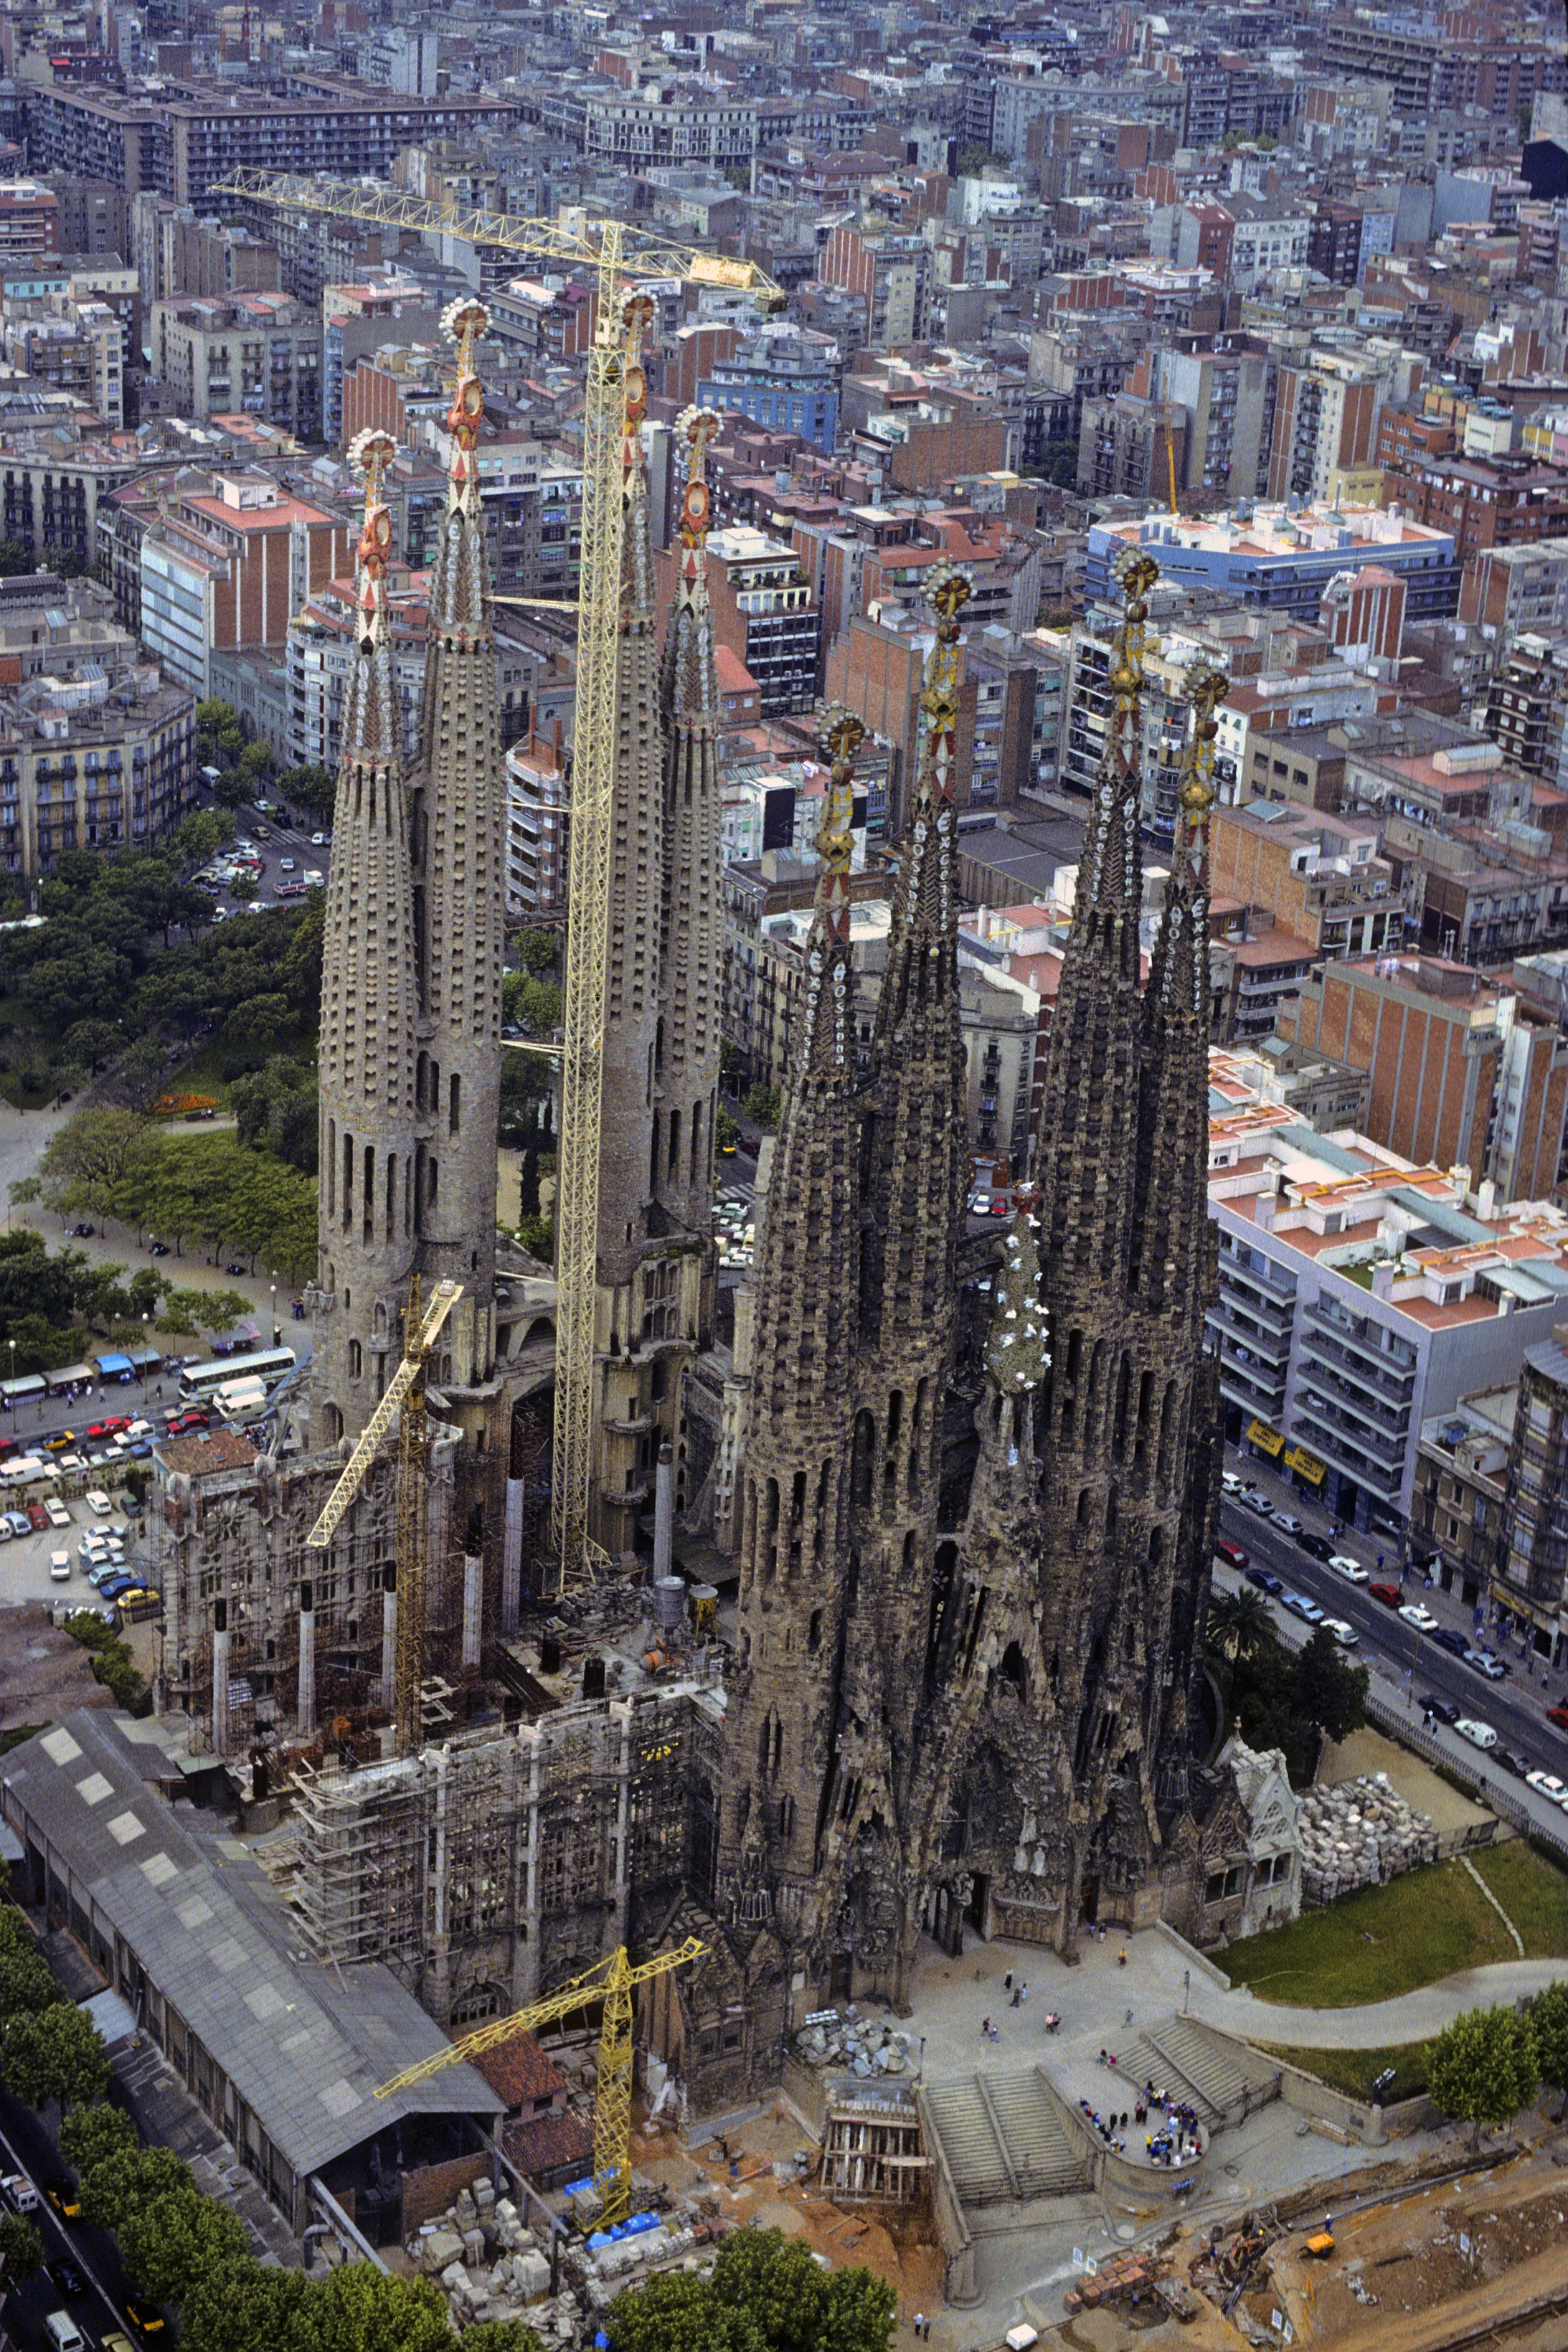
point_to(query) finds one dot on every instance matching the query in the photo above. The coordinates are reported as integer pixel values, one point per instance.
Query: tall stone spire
(1093, 1053)
(460, 851)
(634, 1135)
(369, 1011)
(795, 1599)
(692, 931)
(1172, 1144)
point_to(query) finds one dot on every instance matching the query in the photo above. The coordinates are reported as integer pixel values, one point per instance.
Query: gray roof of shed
(303, 2048)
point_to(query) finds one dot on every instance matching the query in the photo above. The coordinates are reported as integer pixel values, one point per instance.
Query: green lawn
(1532, 1891)
(1354, 2071)
(1386, 1940)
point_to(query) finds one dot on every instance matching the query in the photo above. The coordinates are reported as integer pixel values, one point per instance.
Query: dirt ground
(911, 2265)
(44, 1675)
(1401, 2278)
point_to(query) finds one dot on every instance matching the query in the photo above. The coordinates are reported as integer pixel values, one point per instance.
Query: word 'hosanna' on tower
(979, 1500)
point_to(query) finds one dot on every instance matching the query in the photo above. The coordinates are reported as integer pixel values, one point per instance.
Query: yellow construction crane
(404, 1399)
(610, 1980)
(1170, 451)
(613, 405)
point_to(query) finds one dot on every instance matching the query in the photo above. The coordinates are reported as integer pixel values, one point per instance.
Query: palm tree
(1239, 1622)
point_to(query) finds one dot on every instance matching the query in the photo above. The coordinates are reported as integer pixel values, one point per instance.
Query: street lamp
(277, 1333)
(146, 1334)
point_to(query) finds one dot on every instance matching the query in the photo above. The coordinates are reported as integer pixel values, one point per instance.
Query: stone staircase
(1224, 2079)
(1005, 2138)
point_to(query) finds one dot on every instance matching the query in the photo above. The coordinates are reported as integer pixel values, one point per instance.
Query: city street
(1408, 1664)
(26, 2147)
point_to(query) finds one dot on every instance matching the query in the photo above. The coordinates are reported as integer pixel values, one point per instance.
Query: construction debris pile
(854, 2042)
(1360, 1832)
(490, 2265)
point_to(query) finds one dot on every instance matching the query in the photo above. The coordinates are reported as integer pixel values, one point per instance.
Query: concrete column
(664, 1512)
(389, 1639)
(621, 1716)
(305, 1712)
(220, 1677)
(512, 1558)
(441, 1981)
(473, 1591)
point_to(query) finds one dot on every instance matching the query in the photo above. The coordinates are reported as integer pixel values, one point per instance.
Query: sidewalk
(1378, 2024)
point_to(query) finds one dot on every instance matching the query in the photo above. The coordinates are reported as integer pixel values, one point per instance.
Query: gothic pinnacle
(1111, 871)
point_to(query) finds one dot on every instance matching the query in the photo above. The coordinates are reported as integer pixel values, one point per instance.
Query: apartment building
(1531, 1578)
(259, 354)
(889, 272)
(227, 567)
(764, 610)
(29, 219)
(1359, 1298)
(1461, 1489)
(1280, 558)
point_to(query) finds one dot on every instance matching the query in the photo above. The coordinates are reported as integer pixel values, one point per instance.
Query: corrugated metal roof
(304, 2047)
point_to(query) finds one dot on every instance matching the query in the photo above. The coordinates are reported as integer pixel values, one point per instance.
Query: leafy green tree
(537, 1236)
(90, 1158)
(88, 1043)
(761, 1107)
(233, 789)
(311, 789)
(92, 2135)
(243, 2308)
(60, 990)
(21, 2249)
(191, 1310)
(501, 2335)
(726, 1134)
(536, 950)
(27, 1987)
(172, 2242)
(361, 2309)
(256, 761)
(1330, 1693)
(680, 2313)
(22, 1191)
(122, 2180)
(57, 2055)
(16, 558)
(1483, 2068)
(1549, 2024)
(275, 1110)
(204, 833)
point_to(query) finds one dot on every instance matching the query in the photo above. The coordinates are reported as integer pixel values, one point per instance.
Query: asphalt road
(26, 2147)
(1410, 1665)
(292, 841)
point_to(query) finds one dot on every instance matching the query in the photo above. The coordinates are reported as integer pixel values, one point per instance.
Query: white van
(25, 1469)
(1480, 1735)
(63, 2333)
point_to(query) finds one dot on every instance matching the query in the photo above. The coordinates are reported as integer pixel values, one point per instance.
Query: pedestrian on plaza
(1122, 1958)
(1018, 1996)
(919, 2322)
(925, 2330)
(1128, 2019)
(985, 2029)
(1024, 1992)
(1007, 1981)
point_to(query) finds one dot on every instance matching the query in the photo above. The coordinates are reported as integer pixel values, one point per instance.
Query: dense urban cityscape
(783, 1099)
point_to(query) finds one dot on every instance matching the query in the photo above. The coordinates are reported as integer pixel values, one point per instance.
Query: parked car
(1266, 1583)
(19, 1523)
(1486, 1663)
(18, 2192)
(1232, 1555)
(1232, 1482)
(160, 1249)
(1345, 1636)
(1422, 1619)
(67, 2277)
(145, 2317)
(1479, 1733)
(1455, 1644)
(1545, 1784)
(63, 2196)
(1301, 1606)
(98, 1502)
(1389, 1594)
(59, 1567)
(1288, 1521)
(1443, 1708)
(1315, 1546)
(1511, 1761)
(82, 1232)
(37, 1518)
(319, 840)
(1352, 1571)
(58, 1517)
(61, 1442)
(1559, 1715)
(1254, 1501)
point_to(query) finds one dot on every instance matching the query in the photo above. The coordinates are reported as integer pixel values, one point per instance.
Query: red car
(120, 1422)
(1389, 1594)
(1559, 1715)
(1231, 1553)
(37, 1516)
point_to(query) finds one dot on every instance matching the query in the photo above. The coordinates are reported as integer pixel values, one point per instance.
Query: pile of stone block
(853, 2042)
(490, 2265)
(1360, 1832)
(1124, 2278)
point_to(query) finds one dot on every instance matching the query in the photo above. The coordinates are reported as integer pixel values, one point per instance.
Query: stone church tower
(662, 995)
(410, 1059)
(966, 1647)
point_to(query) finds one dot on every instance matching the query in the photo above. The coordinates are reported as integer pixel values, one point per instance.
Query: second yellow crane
(611, 1981)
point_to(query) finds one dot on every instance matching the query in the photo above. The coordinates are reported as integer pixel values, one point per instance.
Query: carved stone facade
(969, 1638)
